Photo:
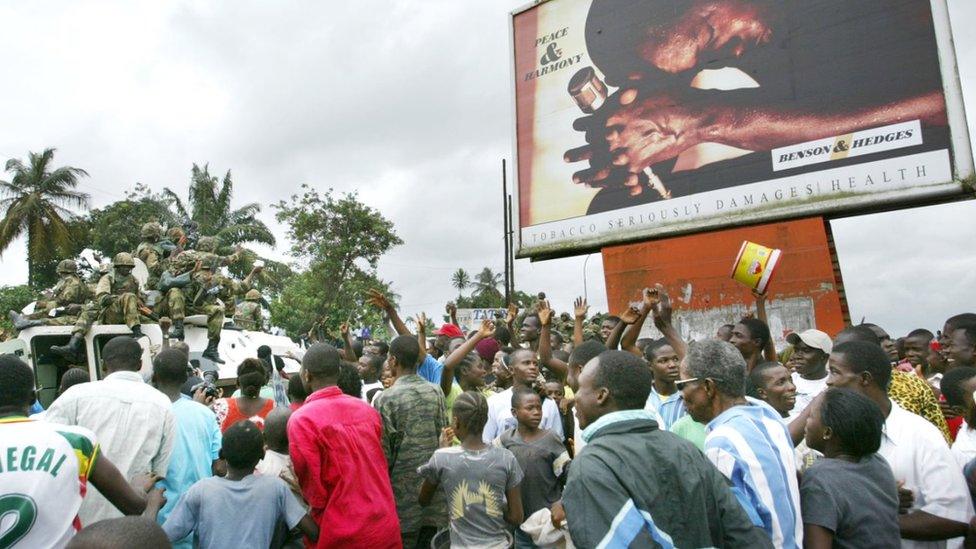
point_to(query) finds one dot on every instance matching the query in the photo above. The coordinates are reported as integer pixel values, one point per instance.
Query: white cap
(812, 338)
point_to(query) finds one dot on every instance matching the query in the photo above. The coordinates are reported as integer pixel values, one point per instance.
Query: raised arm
(451, 309)
(769, 351)
(422, 337)
(510, 317)
(486, 330)
(347, 350)
(579, 313)
(378, 300)
(662, 321)
(557, 366)
(628, 318)
(628, 342)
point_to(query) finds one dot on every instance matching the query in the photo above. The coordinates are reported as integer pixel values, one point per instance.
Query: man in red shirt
(334, 442)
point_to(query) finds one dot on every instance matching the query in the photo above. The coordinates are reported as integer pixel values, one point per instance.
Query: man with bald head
(334, 443)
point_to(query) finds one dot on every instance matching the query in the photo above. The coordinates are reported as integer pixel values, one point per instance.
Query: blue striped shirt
(752, 447)
(670, 408)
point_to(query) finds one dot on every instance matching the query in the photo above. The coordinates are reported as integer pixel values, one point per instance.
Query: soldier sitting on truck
(152, 251)
(248, 314)
(66, 300)
(203, 292)
(179, 273)
(231, 288)
(116, 302)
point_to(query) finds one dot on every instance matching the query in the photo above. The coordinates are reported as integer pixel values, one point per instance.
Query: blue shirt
(196, 446)
(670, 408)
(431, 370)
(752, 447)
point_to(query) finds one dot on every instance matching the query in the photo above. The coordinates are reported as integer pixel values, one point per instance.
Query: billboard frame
(960, 153)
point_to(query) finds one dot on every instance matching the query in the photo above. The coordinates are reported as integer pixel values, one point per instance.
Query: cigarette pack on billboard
(754, 266)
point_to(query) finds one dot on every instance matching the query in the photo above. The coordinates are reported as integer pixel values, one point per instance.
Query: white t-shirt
(964, 448)
(44, 470)
(367, 387)
(500, 417)
(806, 391)
(919, 457)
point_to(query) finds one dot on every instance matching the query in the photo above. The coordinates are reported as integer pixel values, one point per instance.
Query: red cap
(450, 330)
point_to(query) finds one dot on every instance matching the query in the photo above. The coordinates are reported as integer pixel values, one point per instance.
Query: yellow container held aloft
(754, 266)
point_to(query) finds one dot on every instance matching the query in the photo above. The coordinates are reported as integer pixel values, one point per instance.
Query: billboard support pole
(511, 250)
(505, 231)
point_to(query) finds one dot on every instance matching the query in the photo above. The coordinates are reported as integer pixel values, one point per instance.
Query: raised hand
(580, 307)
(422, 323)
(651, 298)
(630, 316)
(662, 312)
(344, 330)
(487, 329)
(545, 313)
(377, 299)
(512, 313)
(450, 308)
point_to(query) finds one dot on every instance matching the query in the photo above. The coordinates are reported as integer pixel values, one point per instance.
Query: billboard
(651, 118)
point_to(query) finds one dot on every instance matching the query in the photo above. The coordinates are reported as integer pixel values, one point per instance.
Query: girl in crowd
(251, 377)
(848, 499)
(480, 482)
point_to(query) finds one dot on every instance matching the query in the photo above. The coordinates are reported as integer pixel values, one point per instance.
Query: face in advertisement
(701, 98)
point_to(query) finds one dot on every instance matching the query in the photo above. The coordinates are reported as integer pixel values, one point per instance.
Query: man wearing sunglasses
(747, 441)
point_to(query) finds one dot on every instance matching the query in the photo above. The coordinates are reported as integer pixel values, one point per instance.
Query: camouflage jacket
(114, 285)
(413, 413)
(70, 290)
(248, 316)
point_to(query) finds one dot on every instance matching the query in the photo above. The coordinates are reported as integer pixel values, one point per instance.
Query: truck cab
(33, 346)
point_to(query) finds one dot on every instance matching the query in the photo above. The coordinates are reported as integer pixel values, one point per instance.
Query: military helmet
(174, 234)
(252, 295)
(207, 244)
(123, 259)
(67, 266)
(152, 229)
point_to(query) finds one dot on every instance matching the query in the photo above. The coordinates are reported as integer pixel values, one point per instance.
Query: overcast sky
(407, 103)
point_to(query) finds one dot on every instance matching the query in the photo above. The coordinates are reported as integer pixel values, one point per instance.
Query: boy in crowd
(47, 467)
(540, 454)
(241, 509)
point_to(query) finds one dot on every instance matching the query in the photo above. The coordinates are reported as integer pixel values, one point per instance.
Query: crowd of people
(528, 431)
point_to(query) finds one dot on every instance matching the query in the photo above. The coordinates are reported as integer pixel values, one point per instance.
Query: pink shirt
(334, 443)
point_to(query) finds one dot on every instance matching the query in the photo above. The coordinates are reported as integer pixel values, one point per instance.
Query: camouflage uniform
(153, 252)
(70, 293)
(203, 302)
(248, 314)
(413, 412)
(174, 301)
(230, 289)
(116, 302)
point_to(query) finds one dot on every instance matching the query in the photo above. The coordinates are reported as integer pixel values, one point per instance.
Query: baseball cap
(450, 330)
(812, 338)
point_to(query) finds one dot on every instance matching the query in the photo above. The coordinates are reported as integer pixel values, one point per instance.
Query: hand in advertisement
(630, 133)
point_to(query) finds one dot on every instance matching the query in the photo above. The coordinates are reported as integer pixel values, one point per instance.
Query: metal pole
(511, 246)
(505, 208)
(586, 294)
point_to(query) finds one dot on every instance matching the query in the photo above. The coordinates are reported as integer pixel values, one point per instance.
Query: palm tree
(486, 284)
(36, 201)
(460, 280)
(209, 205)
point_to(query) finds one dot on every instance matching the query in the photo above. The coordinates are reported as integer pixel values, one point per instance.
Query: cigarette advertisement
(643, 119)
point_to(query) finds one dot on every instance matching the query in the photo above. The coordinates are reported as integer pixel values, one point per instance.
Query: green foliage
(116, 227)
(36, 202)
(337, 242)
(14, 298)
(209, 205)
